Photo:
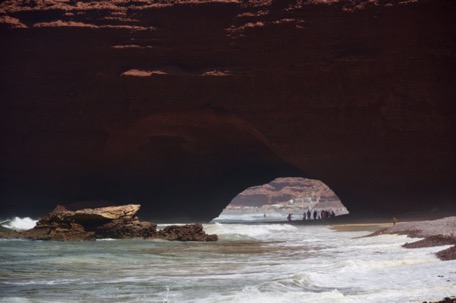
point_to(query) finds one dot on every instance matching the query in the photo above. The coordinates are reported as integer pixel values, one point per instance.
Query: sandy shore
(372, 227)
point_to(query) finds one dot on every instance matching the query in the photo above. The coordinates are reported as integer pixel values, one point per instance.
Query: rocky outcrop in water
(190, 232)
(118, 222)
(121, 229)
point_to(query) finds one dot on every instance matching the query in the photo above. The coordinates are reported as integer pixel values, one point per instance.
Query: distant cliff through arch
(296, 197)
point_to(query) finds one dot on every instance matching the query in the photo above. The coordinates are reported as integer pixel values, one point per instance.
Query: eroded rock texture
(183, 104)
(284, 189)
(118, 222)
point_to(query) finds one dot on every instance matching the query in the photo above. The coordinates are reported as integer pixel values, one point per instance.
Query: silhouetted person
(315, 215)
(289, 218)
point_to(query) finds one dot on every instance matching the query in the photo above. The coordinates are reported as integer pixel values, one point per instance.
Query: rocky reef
(118, 222)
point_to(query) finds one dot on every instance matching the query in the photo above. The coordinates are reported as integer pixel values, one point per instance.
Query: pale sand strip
(370, 227)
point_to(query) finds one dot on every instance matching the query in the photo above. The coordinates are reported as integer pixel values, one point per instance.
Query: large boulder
(189, 232)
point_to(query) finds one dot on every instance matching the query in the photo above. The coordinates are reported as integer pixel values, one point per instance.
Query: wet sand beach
(371, 227)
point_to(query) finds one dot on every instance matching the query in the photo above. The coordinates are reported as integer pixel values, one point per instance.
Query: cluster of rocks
(118, 222)
(446, 300)
(437, 240)
(439, 232)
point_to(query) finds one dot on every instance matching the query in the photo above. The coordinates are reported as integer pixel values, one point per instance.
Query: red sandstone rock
(284, 189)
(125, 98)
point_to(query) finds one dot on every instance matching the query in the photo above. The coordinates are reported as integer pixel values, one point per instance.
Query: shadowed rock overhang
(182, 105)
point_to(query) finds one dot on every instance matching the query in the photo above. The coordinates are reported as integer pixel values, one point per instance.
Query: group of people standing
(315, 215)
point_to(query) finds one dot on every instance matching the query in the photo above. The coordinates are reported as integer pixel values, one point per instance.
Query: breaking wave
(19, 223)
(258, 263)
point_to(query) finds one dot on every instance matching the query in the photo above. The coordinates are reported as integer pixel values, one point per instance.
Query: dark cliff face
(182, 105)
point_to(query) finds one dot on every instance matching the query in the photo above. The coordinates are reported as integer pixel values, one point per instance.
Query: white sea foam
(15, 300)
(277, 263)
(19, 223)
(253, 295)
(257, 230)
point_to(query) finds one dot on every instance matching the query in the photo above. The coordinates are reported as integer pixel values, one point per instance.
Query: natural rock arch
(180, 106)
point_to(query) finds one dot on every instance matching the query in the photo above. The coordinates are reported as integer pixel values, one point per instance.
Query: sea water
(250, 263)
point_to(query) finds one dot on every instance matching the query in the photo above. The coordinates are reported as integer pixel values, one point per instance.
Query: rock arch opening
(284, 199)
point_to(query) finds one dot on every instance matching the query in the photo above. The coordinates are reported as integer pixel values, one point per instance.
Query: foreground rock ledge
(439, 232)
(118, 222)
